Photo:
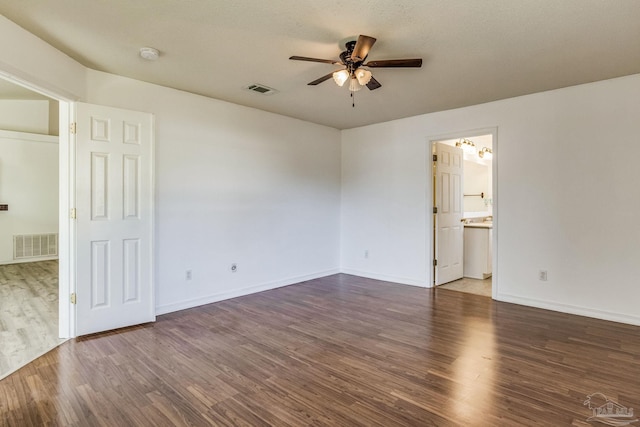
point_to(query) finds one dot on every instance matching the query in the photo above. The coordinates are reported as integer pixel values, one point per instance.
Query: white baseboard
(570, 309)
(221, 296)
(384, 277)
(22, 261)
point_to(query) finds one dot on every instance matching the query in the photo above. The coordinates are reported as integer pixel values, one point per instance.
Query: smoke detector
(149, 53)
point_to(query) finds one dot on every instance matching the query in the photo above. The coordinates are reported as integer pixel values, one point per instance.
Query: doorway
(95, 189)
(29, 236)
(463, 234)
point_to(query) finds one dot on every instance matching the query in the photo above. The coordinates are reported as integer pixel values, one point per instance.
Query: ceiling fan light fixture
(340, 77)
(354, 86)
(363, 76)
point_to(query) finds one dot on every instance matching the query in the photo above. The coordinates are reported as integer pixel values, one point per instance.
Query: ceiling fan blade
(397, 63)
(304, 58)
(373, 84)
(361, 50)
(321, 79)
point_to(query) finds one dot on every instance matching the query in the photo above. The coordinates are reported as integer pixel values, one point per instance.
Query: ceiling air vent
(261, 89)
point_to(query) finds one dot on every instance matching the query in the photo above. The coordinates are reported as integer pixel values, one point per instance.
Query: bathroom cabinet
(477, 250)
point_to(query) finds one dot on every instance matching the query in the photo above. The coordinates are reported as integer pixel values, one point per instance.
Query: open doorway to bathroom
(463, 202)
(29, 225)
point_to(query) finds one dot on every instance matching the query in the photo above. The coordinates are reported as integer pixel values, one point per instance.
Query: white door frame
(66, 199)
(430, 241)
(67, 226)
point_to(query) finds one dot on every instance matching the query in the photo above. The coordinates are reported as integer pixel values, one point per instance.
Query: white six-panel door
(114, 210)
(449, 227)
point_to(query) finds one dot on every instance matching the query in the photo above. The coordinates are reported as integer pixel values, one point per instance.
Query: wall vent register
(35, 245)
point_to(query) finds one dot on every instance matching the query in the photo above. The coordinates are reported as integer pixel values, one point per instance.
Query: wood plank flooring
(337, 351)
(28, 312)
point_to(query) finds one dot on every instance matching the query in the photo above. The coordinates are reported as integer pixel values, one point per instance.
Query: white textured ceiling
(474, 51)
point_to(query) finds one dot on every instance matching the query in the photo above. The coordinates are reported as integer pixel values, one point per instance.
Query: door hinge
(72, 213)
(435, 157)
(435, 209)
(435, 263)
(72, 128)
(73, 298)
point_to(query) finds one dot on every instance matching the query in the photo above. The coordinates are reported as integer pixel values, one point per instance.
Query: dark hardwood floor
(338, 351)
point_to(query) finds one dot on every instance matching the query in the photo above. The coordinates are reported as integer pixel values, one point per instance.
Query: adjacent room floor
(336, 351)
(28, 312)
(471, 286)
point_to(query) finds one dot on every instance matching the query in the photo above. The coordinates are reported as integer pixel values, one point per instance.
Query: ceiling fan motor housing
(345, 57)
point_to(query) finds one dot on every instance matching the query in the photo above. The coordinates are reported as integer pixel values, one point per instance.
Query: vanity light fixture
(467, 146)
(485, 153)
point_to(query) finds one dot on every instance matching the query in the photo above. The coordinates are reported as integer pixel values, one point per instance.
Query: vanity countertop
(479, 225)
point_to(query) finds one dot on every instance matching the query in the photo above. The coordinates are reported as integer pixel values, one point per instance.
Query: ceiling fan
(353, 59)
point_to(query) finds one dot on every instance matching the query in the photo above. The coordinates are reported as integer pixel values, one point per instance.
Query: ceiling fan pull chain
(353, 100)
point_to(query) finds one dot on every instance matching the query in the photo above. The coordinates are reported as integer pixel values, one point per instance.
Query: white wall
(29, 185)
(566, 201)
(234, 185)
(25, 115)
(384, 192)
(477, 180)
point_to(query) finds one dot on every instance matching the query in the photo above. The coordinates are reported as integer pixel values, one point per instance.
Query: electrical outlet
(542, 275)
(188, 275)
(366, 253)
(234, 268)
